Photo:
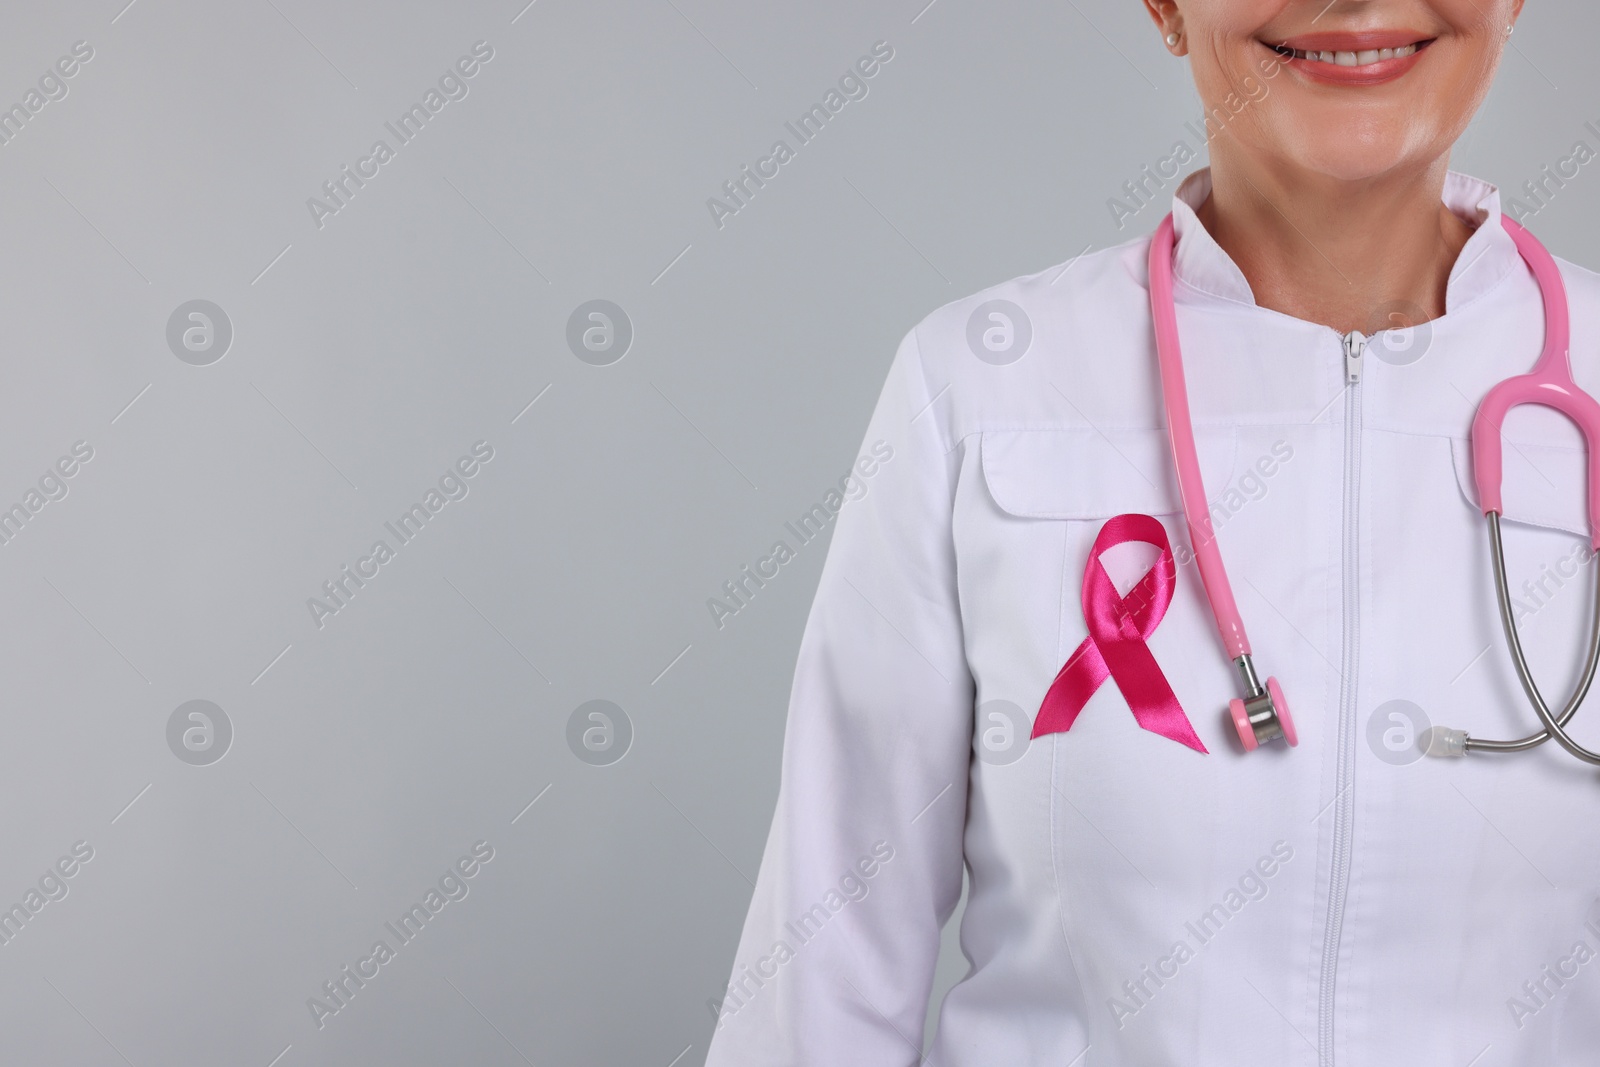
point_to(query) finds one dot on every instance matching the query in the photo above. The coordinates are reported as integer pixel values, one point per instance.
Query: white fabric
(1361, 911)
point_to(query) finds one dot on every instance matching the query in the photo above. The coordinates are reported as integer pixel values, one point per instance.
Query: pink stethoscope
(1263, 714)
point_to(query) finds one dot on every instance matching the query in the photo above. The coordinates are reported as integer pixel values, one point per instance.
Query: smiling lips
(1352, 58)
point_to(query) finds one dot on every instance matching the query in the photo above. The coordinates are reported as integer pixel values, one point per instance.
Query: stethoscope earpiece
(1442, 741)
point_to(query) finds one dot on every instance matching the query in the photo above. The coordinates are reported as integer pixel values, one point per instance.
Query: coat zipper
(1354, 346)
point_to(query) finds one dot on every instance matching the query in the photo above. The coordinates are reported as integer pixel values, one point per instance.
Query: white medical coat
(1132, 901)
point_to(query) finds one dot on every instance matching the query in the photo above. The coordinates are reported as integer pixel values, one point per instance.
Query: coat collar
(1484, 260)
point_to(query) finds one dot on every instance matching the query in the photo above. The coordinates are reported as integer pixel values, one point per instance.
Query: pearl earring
(1172, 39)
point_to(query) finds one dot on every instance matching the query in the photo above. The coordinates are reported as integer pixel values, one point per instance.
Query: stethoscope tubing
(1180, 433)
(1553, 724)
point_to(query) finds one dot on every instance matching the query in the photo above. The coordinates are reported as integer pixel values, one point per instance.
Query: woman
(1148, 896)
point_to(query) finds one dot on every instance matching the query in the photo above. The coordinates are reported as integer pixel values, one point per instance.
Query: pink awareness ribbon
(1118, 628)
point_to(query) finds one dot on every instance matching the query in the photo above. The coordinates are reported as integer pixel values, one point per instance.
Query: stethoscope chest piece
(1263, 715)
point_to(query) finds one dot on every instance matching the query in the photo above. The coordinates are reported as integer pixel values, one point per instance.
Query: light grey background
(372, 352)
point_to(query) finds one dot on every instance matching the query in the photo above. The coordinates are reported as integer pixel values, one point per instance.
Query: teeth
(1352, 59)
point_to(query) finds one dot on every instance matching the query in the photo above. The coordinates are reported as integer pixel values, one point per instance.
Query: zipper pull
(1355, 343)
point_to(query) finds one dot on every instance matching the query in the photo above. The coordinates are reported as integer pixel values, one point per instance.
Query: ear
(1168, 19)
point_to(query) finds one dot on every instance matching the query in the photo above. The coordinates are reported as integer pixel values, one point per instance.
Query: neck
(1332, 251)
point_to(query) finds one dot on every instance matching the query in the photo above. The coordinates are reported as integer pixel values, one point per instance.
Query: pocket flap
(1087, 473)
(1542, 485)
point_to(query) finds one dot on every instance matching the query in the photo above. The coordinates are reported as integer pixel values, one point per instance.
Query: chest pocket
(1088, 473)
(1024, 531)
(1541, 484)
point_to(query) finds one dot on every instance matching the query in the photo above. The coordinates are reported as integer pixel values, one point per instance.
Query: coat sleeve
(863, 862)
